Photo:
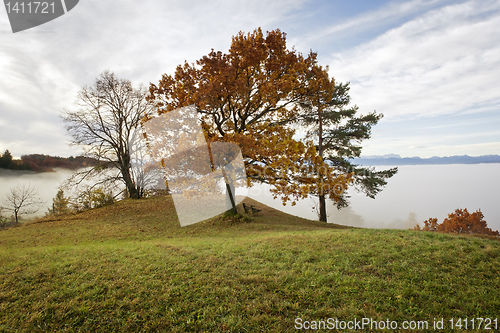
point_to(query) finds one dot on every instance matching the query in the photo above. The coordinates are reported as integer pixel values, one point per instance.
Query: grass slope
(131, 268)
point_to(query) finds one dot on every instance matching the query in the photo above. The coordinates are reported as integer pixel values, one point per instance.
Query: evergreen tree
(60, 204)
(337, 130)
(6, 160)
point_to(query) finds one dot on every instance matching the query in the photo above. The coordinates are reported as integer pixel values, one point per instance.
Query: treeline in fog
(43, 163)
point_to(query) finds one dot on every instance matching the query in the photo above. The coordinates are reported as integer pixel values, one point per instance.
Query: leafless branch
(22, 199)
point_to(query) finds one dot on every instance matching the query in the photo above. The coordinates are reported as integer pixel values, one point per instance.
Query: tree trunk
(322, 208)
(231, 197)
(129, 183)
(321, 196)
(133, 193)
(229, 192)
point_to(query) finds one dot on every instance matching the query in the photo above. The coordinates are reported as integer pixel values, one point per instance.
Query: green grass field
(130, 267)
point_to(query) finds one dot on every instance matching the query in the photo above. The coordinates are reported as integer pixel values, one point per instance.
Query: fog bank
(45, 183)
(414, 194)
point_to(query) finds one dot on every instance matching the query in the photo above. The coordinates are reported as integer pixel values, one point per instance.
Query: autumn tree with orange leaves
(460, 222)
(250, 96)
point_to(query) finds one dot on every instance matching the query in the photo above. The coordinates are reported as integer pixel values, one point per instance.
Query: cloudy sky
(432, 67)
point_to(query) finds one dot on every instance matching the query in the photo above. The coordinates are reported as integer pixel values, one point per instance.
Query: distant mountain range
(394, 159)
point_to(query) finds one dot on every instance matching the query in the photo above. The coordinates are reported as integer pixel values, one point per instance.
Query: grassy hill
(130, 267)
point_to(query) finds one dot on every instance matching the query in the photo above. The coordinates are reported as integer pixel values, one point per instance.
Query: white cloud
(42, 69)
(427, 145)
(389, 13)
(444, 61)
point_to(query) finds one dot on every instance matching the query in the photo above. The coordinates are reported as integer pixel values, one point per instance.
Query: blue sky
(430, 66)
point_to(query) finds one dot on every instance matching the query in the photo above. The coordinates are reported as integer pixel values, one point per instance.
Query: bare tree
(107, 115)
(22, 199)
(147, 173)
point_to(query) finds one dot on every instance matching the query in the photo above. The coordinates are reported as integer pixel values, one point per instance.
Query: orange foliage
(460, 222)
(249, 96)
(430, 224)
